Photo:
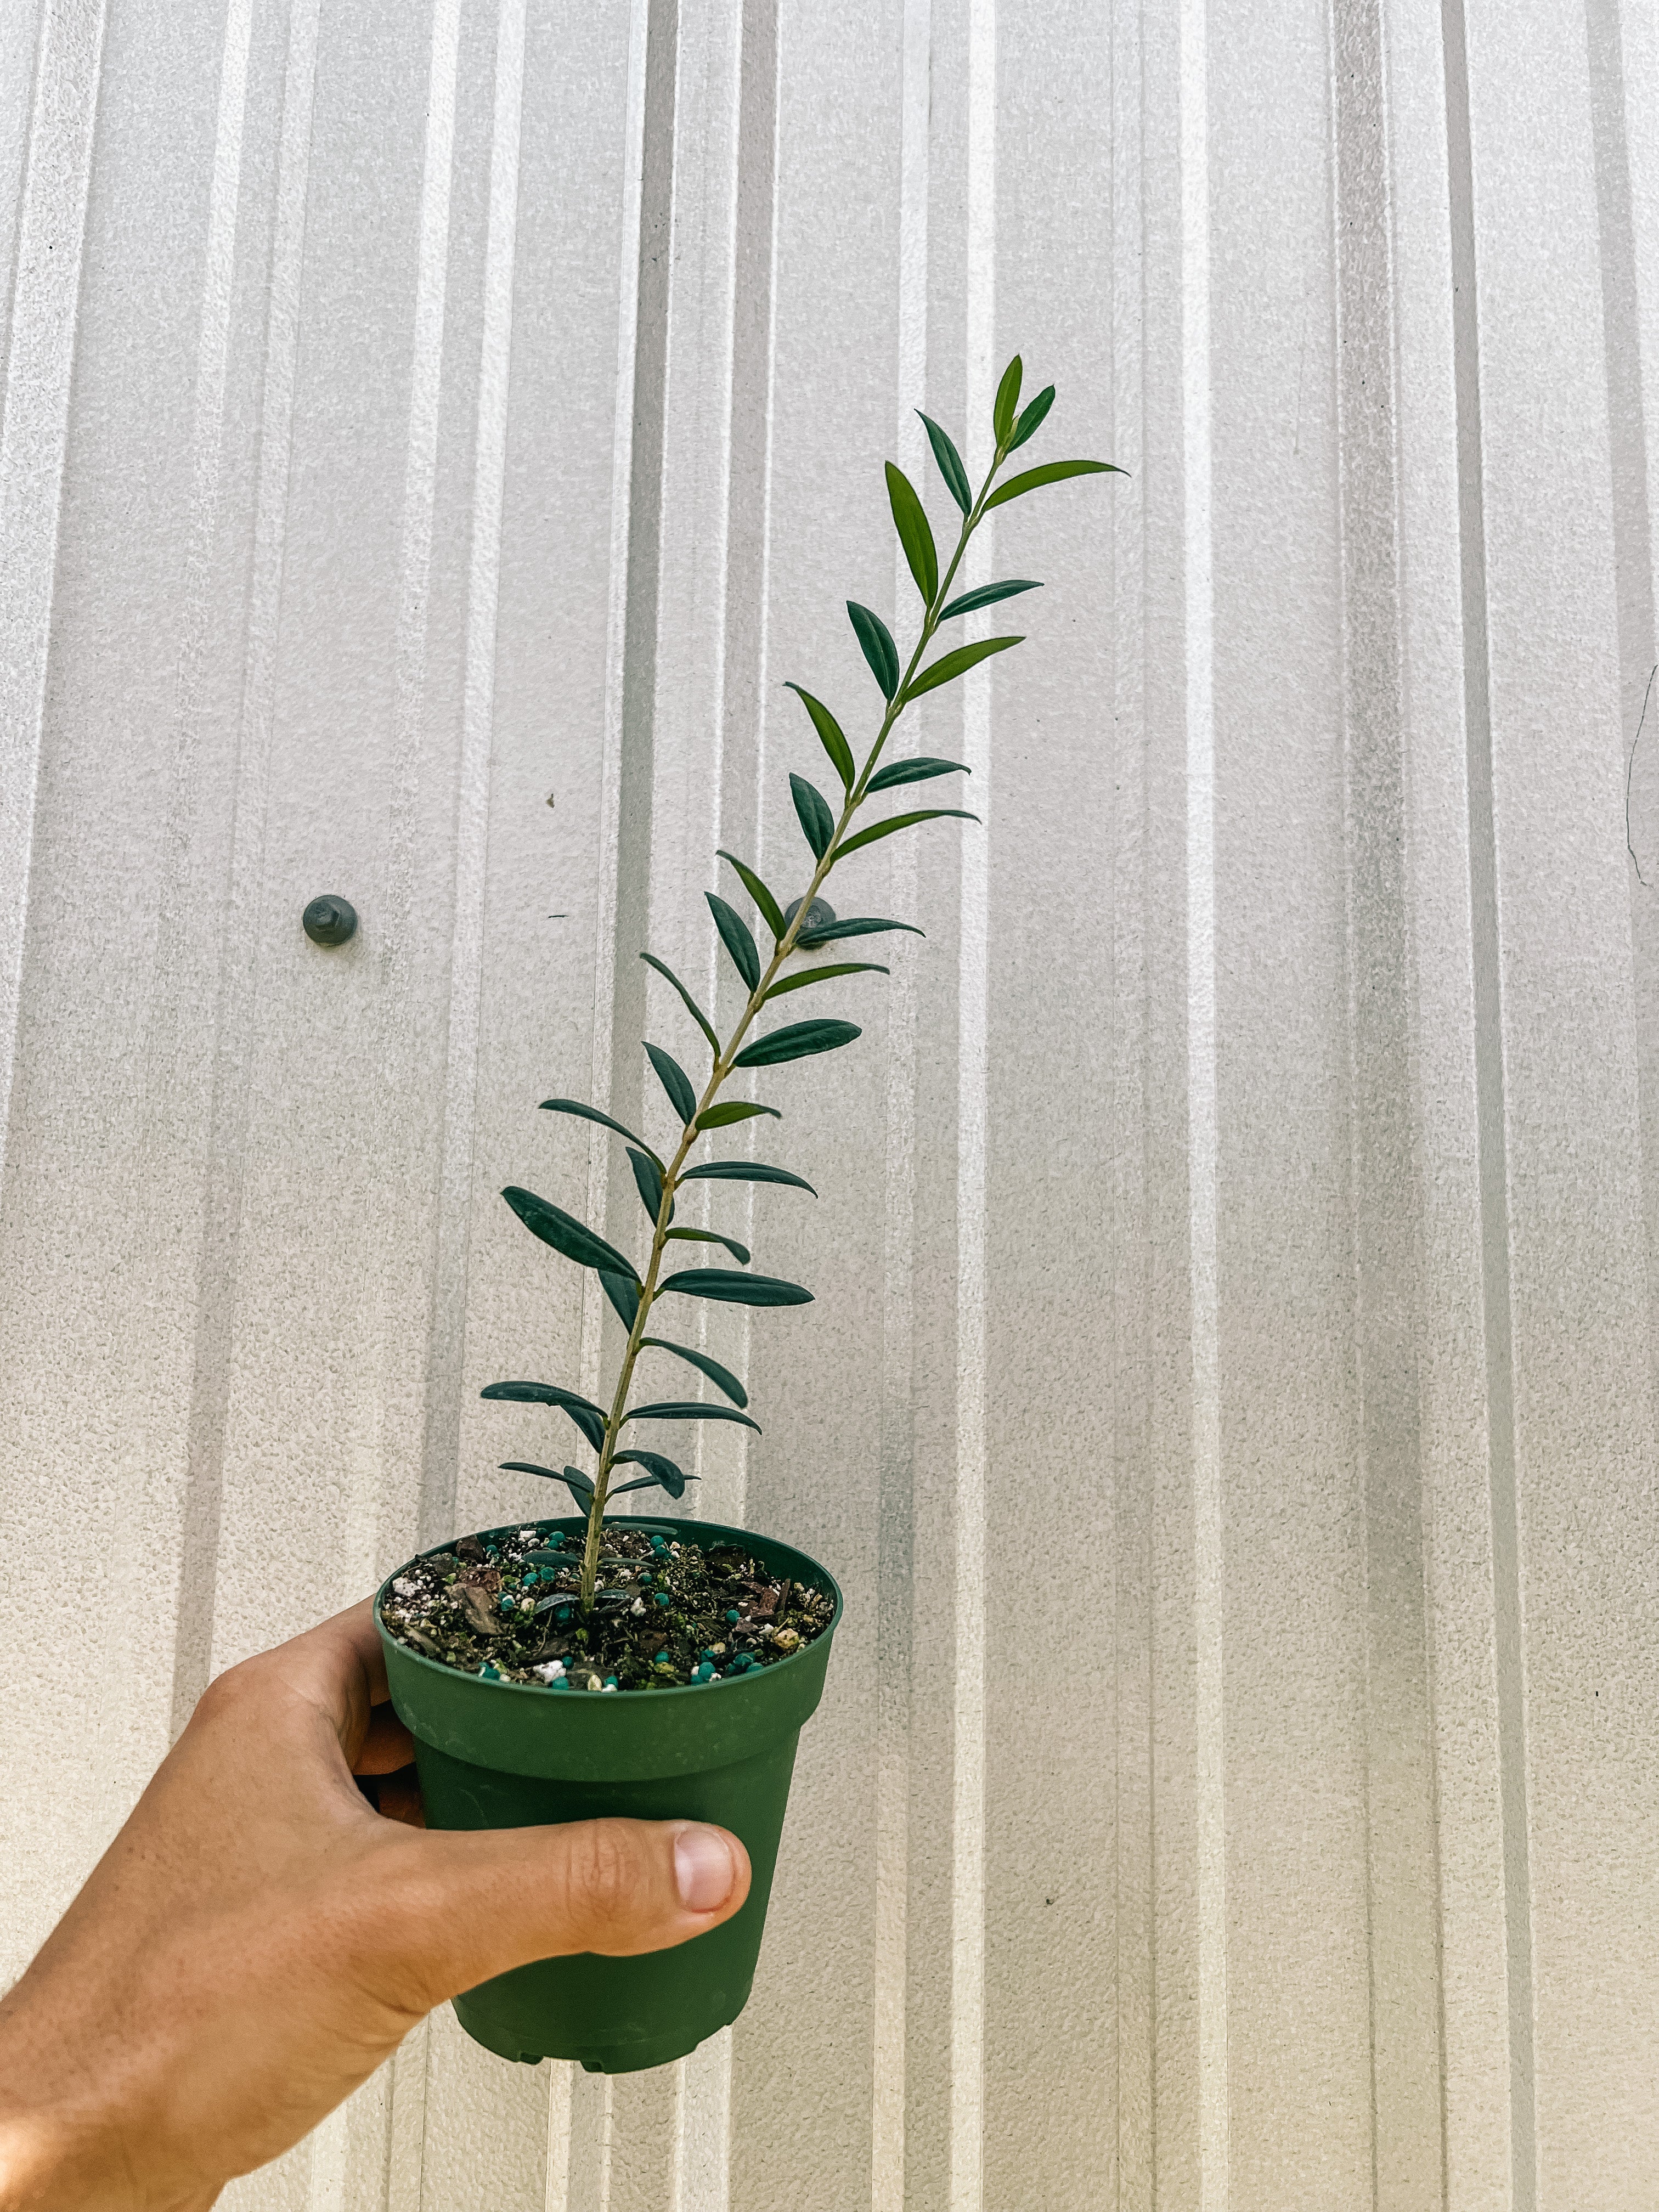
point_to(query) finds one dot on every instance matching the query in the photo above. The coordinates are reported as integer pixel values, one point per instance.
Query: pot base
(504, 2019)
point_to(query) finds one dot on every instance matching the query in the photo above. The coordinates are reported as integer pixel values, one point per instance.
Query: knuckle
(608, 1879)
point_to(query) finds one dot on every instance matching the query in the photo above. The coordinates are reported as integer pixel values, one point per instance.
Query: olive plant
(804, 925)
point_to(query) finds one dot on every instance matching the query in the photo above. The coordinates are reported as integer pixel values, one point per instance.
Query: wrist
(49, 2164)
(60, 2150)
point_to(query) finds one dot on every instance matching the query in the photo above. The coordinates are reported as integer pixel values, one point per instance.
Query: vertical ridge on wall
(33, 434)
(1490, 1111)
(896, 1532)
(473, 781)
(1402, 1885)
(968, 1714)
(210, 1376)
(628, 285)
(1132, 1328)
(1209, 1523)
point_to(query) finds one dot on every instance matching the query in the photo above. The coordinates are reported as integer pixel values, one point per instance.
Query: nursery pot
(505, 1755)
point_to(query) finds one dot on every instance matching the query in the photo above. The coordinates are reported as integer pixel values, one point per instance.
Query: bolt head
(330, 920)
(819, 915)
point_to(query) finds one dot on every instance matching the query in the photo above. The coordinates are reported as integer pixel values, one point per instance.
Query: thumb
(465, 1905)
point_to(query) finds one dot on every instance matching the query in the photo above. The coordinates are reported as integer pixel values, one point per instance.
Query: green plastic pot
(504, 1755)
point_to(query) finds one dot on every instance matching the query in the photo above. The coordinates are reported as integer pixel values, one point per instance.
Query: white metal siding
(413, 412)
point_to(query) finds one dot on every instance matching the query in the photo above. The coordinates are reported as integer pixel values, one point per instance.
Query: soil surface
(667, 1614)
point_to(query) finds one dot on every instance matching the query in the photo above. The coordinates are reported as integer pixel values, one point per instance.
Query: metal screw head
(819, 915)
(329, 920)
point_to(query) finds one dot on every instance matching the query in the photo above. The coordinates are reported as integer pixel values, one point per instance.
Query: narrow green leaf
(744, 1171)
(771, 912)
(566, 1234)
(914, 771)
(647, 1181)
(860, 925)
(739, 1252)
(1032, 416)
(721, 1377)
(690, 1409)
(834, 741)
(588, 1417)
(692, 1005)
(578, 1484)
(987, 596)
(661, 1473)
(727, 1286)
(959, 663)
(1007, 399)
(915, 532)
(880, 650)
(736, 937)
(624, 1293)
(674, 1080)
(949, 465)
(1050, 472)
(734, 1109)
(904, 822)
(593, 1113)
(823, 975)
(796, 1041)
(818, 824)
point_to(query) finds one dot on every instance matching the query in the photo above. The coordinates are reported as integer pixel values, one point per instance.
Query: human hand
(257, 1938)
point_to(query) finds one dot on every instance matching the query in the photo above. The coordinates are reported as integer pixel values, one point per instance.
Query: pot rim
(568, 1521)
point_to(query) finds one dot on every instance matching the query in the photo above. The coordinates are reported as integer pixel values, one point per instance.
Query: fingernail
(703, 1871)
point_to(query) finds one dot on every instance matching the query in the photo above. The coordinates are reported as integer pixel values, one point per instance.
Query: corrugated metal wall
(414, 411)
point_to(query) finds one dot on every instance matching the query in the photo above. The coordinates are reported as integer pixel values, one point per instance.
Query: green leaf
(1032, 417)
(566, 1234)
(825, 974)
(661, 1473)
(593, 1113)
(880, 650)
(771, 912)
(1050, 472)
(624, 1293)
(904, 822)
(915, 532)
(739, 1252)
(744, 1171)
(578, 1484)
(1007, 399)
(987, 596)
(588, 1417)
(860, 925)
(727, 1286)
(692, 1005)
(834, 741)
(914, 771)
(647, 1181)
(721, 1377)
(734, 1109)
(949, 465)
(690, 1409)
(959, 663)
(675, 1081)
(736, 937)
(817, 822)
(796, 1041)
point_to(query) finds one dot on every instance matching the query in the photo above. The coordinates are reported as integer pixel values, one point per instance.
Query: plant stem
(726, 1057)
